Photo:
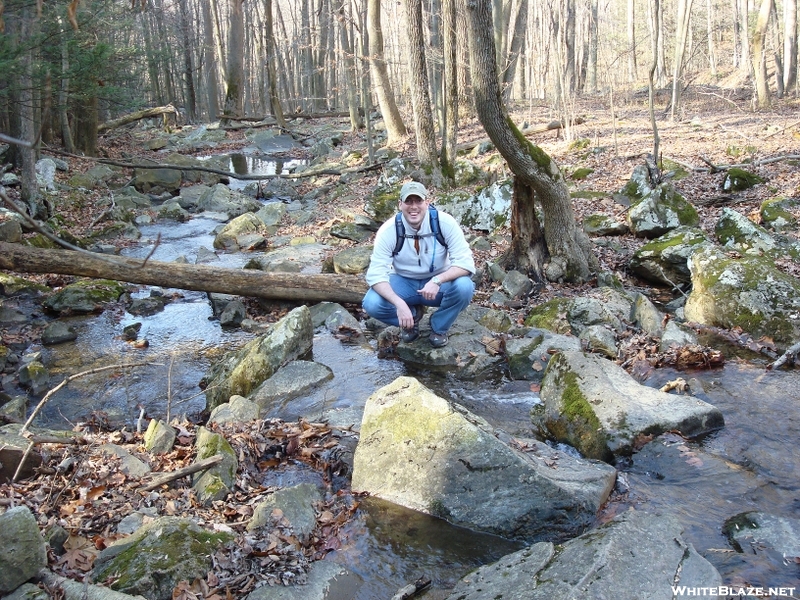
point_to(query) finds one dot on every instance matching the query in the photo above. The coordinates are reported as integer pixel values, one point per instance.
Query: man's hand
(404, 316)
(429, 291)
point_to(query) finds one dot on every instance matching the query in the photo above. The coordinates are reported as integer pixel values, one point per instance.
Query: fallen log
(527, 132)
(296, 287)
(136, 116)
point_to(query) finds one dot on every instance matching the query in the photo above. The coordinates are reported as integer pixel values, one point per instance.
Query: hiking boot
(438, 340)
(409, 335)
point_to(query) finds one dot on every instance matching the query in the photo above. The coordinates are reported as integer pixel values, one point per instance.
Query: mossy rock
(382, 204)
(581, 173)
(12, 286)
(776, 213)
(552, 315)
(737, 180)
(85, 296)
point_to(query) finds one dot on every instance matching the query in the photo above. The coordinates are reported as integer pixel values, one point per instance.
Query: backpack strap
(400, 230)
(435, 228)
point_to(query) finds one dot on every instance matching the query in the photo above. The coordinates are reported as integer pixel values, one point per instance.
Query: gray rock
(418, 450)
(595, 406)
(516, 284)
(229, 237)
(676, 335)
(28, 591)
(243, 371)
(153, 560)
(353, 260)
(753, 531)
(34, 375)
(489, 210)
(220, 198)
(233, 314)
(636, 555)
(288, 382)
(156, 181)
(599, 224)
(159, 437)
(272, 213)
(665, 259)
(237, 410)
(24, 552)
(12, 450)
(528, 356)
(214, 483)
(296, 505)
(603, 306)
(173, 211)
(130, 465)
(205, 255)
(748, 292)
(11, 232)
(654, 210)
(734, 230)
(646, 315)
(58, 332)
(290, 259)
(350, 231)
(45, 173)
(16, 408)
(600, 339)
(84, 296)
(327, 580)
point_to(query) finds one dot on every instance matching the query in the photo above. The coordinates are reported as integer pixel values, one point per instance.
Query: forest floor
(717, 127)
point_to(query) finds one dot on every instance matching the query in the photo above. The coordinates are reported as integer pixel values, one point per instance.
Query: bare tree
(420, 99)
(395, 128)
(760, 54)
(272, 73)
(235, 75)
(681, 35)
(350, 73)
(536, 175)
(789, 44)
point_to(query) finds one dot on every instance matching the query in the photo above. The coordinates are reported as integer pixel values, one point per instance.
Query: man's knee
(464, 287)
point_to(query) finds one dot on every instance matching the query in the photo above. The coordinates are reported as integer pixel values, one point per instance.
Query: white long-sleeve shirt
(433, 257)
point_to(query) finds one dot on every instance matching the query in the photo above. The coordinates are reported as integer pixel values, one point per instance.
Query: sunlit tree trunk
(420, 99)
(710, 33)
(681, 36)
(235, 74)
(450, 89)
(210, 61)
(591, 76)
(632, 67)
(395, 128)
(63, 94)
(760, 54)
(350, 73)
(744, 42)
(789, 44)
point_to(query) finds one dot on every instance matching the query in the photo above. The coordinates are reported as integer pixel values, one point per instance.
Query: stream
(749, 465)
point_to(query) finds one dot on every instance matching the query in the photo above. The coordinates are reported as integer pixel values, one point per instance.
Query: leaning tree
(557, 249)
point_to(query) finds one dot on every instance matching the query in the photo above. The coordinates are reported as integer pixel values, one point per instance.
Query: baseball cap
(413, 188)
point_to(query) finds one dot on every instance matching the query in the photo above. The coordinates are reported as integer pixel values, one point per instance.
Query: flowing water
(749, 465)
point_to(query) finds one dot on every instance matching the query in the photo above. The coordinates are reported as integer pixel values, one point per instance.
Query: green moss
(581, 173)
(437, 508)
(580, 425)
(580, 144)
(737, 179)
(552, 315)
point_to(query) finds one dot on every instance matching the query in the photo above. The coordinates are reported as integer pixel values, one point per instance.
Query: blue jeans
(453, 297)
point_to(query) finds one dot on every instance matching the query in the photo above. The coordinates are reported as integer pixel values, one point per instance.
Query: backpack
(401, 230)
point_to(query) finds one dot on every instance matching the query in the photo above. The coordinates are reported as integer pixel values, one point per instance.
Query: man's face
(414, 209)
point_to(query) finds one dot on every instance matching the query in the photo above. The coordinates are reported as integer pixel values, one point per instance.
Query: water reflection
(247, 164)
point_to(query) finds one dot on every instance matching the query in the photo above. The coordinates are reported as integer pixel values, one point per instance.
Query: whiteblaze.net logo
(734, 592)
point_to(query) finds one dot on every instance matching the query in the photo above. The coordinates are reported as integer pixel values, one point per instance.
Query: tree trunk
(188, 65)
(760, 54)
(569, 247)
(241, 282)
(271, 58)
(710, 33)
(681, 35)
(395, 128)
(591, 78)
(210, 60)
(349, 70)
(789, 44)
(235, 76)
(449, 141)
(420, 99)
(632, 67)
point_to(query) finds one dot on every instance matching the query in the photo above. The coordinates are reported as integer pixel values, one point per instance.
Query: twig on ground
(200, 465)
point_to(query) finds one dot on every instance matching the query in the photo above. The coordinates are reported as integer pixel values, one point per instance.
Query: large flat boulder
(634, 556)
(592, 404)
(422, 452)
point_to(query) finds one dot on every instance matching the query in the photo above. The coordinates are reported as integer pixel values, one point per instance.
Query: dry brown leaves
(85, 491)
